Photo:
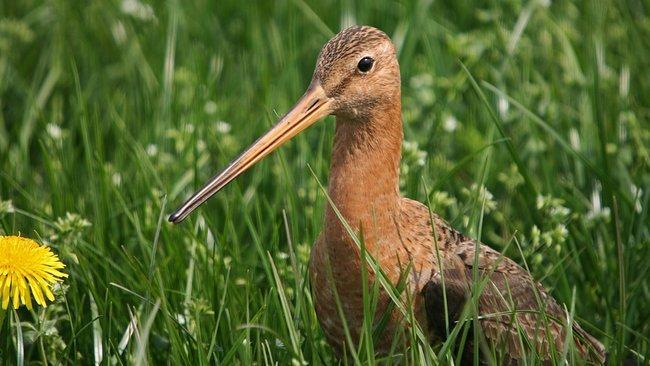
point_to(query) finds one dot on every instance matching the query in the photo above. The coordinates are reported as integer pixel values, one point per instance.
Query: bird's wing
(512, 306)
(516, 313)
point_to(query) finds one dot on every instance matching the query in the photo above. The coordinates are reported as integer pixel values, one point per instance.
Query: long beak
(313, 105)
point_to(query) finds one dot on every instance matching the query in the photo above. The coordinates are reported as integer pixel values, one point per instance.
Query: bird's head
(356, 71)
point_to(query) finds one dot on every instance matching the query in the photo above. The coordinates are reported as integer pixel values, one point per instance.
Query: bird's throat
(364, 175)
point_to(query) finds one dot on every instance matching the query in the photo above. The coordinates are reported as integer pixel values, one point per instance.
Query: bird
(357, 79)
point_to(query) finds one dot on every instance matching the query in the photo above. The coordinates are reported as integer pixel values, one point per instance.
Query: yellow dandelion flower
(26, 267)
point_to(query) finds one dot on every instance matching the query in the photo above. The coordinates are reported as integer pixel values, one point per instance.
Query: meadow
(526, 124)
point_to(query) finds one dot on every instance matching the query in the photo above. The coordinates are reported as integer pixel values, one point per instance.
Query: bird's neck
(364, 174)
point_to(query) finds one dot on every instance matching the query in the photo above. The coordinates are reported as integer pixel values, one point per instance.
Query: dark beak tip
(175, 218)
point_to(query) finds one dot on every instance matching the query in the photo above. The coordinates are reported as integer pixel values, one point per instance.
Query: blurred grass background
(112, 112)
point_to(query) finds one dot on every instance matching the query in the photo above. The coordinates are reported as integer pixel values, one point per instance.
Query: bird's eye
(365, 64)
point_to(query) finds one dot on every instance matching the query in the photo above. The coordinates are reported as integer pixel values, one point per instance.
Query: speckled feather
(399, 232)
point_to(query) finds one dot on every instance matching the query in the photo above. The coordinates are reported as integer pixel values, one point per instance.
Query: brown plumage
(357, 79)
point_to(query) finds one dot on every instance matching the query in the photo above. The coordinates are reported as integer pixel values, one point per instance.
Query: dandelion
(27, 269)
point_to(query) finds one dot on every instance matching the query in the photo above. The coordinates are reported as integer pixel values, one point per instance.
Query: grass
(526, 125)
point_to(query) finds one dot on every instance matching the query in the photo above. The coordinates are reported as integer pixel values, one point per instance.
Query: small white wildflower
(302, 192)
(536, 146)
(181, 319)
(637, 193)
(441, 199)
(119, 32)
(422, 81)
(201, 145)
(450, 123)
(511, 178)
(561, 231)
(535, 236)
(624, 81)
(303, 252)
(282, 255)
(152, 150)
(209, 239)
(412, 151)
(116, 178)
(226, 261)
(138, 10)
(623, 121)
(595, 199)
(465, 220)
(17, 29)
(485, 197)
(503, 106)
(559, 211)
(222, 127)
(54, 131)
(574, 138)
(541, 201)
(239, 281)
(422, 86)
(422, 155)
(553, 206)
(6, 207)
(597, 211)
(73, 220)
(210, 107)
(559, 234)
(71, 223)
